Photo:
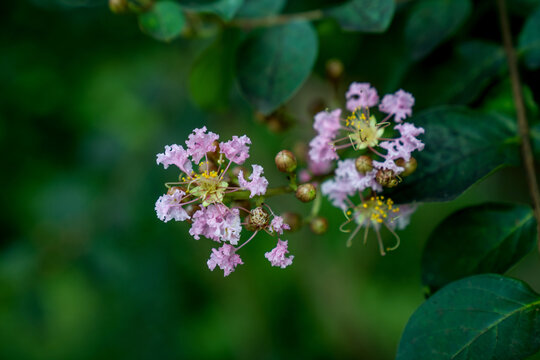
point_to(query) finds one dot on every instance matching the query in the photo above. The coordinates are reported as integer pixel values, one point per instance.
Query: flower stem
(276, 19)
(526, 150)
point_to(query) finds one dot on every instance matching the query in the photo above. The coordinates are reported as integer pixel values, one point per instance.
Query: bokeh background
(87, 271)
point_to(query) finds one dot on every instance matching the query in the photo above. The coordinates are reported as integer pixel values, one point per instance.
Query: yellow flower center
(364, 132)
(375, 209)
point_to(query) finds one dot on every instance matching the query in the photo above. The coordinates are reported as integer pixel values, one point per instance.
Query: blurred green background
(87, 271)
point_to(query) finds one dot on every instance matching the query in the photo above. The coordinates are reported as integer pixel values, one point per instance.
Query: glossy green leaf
(459, 80)
(430, 22)
(364, 15)
(225, 9)
(529, 40)
(534, 133)
(461, 147)
(488, 238)
(483, 317)
(274, 62)
(212, 74)
(260, 8)
(164, 21)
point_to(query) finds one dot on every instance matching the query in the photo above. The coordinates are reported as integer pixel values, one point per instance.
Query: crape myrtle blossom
(380, 163)
(277, 256)
(201, 195)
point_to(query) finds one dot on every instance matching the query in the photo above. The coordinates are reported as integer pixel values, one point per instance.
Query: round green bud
(285, 161)
(119, 6)
(334, 69)
(409, 166)
(364, 164)
(306, 192)
(318, 225)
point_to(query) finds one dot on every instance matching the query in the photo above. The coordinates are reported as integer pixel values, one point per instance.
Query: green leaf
(482, 317)
(225, 9)
(487, 238)
(462, 147)
(164, 21)
(260, 8)
(364, 15)
(212, 74)
(529, 40)
(274, 62)
(430, 22)
(461, 79)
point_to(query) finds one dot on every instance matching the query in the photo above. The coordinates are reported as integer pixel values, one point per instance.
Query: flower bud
(294, 220)
(386, 178)
(306, 192)
(409, 166)
(285, 161)
(334, 69)
(319, 225)
(118, 6)
(364, 164)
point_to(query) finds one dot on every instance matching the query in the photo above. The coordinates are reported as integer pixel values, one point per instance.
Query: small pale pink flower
(347, 182)
(277, 225)
(388, 164)
(175, 155)
(361, 95)
(304, 176)
(169, 207)
(399, 104)
(277, 255)
(237, 149)
(217, 222)
(327, 123)
(199, 143)
(321, 149)
(258, 183)
(319, 167)
(225, 258)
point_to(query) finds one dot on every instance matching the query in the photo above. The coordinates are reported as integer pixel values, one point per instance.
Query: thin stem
(248, 240)
(379, 239)
(526, 150)
(276, 19)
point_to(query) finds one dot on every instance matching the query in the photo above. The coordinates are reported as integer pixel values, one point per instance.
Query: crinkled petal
(258, 183)
(277, 255)
(277, 225)
(321, 150)
(225, 258)
(327, 123)
(169, 207)
(237, 149)
(175, 155)
(361, 95)
(217, 222)
(399, 104)
(199, 143)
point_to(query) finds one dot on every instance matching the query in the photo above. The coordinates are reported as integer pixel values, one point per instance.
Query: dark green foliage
(482, 317)
(487, 238)
(212, 74)
(274, 62)
(529, 40)
(225, 9)
(364, 15)
(164, 21)
(461, 147)
(433, 21)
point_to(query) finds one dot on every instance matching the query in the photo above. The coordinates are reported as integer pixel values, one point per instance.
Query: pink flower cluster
(380, 161)
(201, 196)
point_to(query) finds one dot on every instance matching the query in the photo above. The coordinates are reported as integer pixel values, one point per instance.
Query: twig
(526, 150)
(276, 19)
